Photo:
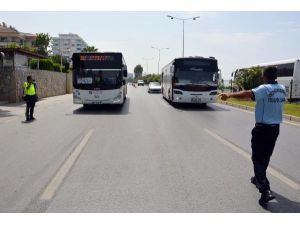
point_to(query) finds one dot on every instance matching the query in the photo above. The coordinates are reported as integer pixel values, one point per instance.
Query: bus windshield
(196, 71)
(96, 78)
(194, 77)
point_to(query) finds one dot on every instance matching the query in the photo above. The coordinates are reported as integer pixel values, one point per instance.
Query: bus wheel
(86, 106)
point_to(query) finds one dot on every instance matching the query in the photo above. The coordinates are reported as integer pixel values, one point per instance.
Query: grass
(288, 109)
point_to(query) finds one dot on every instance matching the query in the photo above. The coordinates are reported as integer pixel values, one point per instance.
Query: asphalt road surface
(147, 156)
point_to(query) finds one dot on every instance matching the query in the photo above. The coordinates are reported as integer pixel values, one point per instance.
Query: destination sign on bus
(96, 58)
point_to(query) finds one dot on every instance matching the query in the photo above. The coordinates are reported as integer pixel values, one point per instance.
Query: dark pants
(263, 142)
(30, 103)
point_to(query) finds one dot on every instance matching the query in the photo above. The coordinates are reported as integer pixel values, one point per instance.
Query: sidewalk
(11, 111)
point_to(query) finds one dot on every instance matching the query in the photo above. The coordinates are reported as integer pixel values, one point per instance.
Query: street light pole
(183, 20)
(146, 60)
(159, 50)
(182, 38)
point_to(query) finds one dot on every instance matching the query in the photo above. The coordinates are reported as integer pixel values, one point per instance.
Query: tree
(138, 70)
(41, 43)
(57, 59)
(248, 78)
(149, 78)
(90, 49)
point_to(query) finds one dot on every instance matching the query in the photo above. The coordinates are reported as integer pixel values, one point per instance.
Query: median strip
(57, 180)
(250, 109)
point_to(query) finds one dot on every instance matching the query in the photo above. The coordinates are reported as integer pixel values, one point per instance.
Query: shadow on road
(5, 113)
(104, 109)
(197, 107)
(282, 205)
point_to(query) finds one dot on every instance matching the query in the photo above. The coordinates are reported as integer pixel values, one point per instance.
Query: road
(147, 156)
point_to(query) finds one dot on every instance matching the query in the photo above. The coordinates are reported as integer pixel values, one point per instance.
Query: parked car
(154, 87)
(140, 83)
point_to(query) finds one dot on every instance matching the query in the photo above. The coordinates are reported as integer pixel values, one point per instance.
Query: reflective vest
(29, 89)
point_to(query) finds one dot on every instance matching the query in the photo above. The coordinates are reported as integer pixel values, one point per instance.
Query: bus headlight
(177, 92)
(118, 97)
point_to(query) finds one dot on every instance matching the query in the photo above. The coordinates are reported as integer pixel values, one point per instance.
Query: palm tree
(89, 49)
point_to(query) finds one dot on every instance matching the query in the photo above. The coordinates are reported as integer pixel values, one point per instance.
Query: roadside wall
(49, 83)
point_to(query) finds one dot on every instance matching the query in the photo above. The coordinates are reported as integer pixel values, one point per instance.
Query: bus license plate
(195, 100)
(97, 92)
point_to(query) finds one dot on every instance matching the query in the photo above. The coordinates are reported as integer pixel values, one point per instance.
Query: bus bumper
(195, 97)
(80, 97)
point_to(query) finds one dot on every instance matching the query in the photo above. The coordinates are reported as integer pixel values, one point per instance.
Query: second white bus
(190, 80)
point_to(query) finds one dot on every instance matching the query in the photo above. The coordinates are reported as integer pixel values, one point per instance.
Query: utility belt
(267, 125)
(30, 98)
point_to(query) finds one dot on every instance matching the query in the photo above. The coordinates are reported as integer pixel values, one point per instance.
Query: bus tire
(86, 106)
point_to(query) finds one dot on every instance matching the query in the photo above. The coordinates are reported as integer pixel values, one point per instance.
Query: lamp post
(159, 50)
(183, 20)
(146, 60)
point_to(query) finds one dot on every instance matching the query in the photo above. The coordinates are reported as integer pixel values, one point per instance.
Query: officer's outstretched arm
(240, 94)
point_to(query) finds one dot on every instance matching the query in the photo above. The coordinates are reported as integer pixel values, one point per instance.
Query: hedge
(46, 64)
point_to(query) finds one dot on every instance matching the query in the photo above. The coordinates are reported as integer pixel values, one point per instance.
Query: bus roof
(96, 53)
(272, 63)
(196, 57)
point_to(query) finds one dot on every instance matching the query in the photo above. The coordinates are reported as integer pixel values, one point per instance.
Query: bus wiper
(207, 83)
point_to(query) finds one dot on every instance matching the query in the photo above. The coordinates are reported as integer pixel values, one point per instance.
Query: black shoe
(253, 180)
(266, 197)
(32, 118)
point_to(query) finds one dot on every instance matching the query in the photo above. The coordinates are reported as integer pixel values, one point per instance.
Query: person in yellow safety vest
(30, 98)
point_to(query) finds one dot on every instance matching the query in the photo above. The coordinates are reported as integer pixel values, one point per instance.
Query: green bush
(33, 64)
(64, 70)
(45, 64)
(56, 67)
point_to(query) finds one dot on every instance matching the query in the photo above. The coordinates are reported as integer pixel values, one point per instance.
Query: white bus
(99, 78)
(190, 80)
(288, 72)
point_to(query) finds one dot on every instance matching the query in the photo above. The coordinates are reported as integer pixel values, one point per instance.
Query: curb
(249, 108)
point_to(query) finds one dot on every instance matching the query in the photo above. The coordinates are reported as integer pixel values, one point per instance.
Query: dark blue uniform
(269, 100)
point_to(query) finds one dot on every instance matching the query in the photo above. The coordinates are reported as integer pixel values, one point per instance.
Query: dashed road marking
(57, 180)
(247, 156)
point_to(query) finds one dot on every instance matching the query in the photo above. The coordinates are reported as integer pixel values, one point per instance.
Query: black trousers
(30, 104)
(263, 142)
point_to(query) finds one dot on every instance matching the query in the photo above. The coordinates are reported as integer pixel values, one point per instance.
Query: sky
(235, 39)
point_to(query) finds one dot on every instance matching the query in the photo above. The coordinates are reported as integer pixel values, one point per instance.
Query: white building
(67, 44)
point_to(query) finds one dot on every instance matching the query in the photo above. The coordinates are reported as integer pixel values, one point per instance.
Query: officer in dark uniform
(269, 98)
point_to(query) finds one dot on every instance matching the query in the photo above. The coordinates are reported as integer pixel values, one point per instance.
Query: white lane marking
(251, 112)
(246, 155)
(65, 168)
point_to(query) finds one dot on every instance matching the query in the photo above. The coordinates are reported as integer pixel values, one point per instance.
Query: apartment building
(67, 44)
(10, 35)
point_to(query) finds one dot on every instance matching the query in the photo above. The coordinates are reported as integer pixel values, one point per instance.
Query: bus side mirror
(219, 75)
(172, 69)
(125, 73)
